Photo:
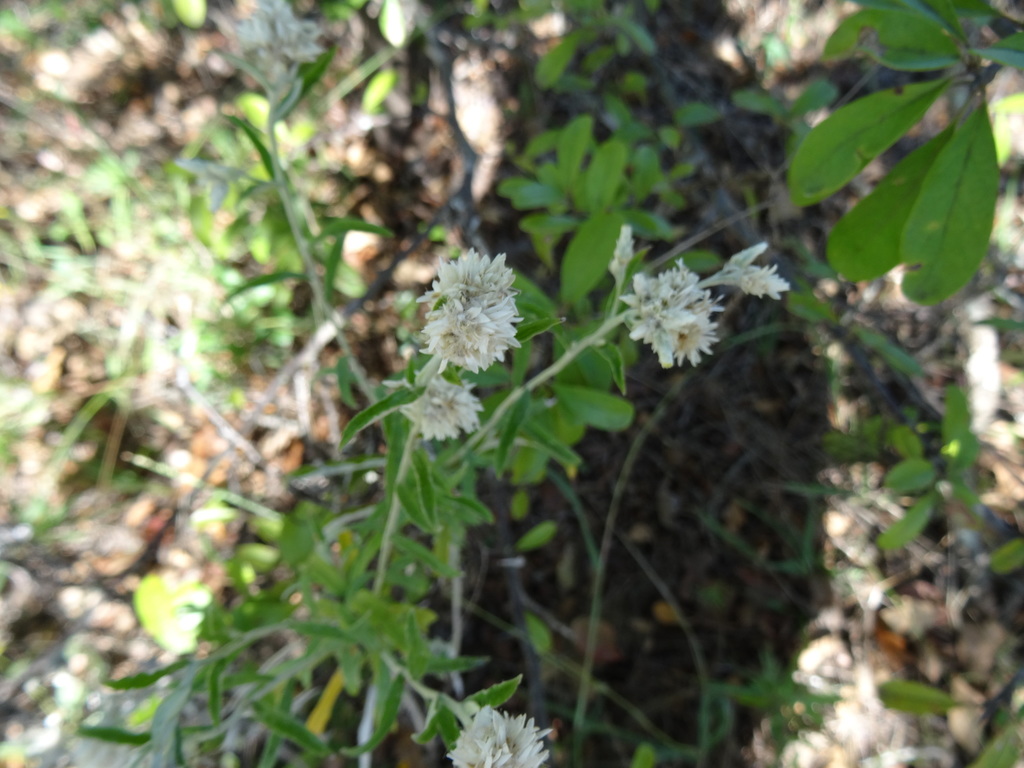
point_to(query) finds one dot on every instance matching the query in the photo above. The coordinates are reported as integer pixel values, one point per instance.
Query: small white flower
(672, 313)
(497, 740)
(274, 41)
(753, 281)
(472, 318)
(623, 253)
(444, 410)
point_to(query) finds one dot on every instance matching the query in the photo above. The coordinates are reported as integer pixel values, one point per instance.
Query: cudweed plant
(354, 602)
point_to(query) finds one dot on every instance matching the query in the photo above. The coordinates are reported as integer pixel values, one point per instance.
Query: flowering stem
(574, 350)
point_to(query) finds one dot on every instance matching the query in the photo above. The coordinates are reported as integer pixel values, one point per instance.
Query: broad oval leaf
(897, 40)
(910, 475)
(573, 144)
(948, 229)
(595, 408)
(604, 175)
(838, 149)
(865, 243)
(191, 13)
(907, 528)
(587, 257)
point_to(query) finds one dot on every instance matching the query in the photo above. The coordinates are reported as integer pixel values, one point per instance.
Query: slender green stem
(394, 508)
(575, 350)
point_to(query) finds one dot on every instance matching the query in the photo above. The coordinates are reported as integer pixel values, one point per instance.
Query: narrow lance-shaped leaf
(378, 410)
(948, 229)
(838, 149)
(865, 243)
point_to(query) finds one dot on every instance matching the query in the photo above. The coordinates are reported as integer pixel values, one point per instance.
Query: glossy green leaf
(817, 95)
(865, 243)
(530, 328)
(377, 411)
(910, 475)
(893, 354)
(947, 232)
(759, 101)
(588, 255)
(647, 173)
(906, 442)
(907, 528)
(144, 679)
(916, 698)
(595, 408)
(538, 632)
(537, 537)
(605, 175)
(1008, 558)
(644, 757)
(509, 430)
(838, 149)
(897, 40)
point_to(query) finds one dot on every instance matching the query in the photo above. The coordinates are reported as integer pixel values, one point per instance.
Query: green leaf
(695, 113)
(416, 551)
(387, 710)
(418, 496)
(910, 475)
(1001, 752)
(392, 22)
(530, 328)
(512, 423)
(817, 95)
(1008, 51)
(907, 528)
(553, 63)
(538, 632)
(838, 149)
(342, 225)
(380, 85)
(311, 72)
(290, 728)
(906, 442)
(259, 280)
(525, 194)
(643, 757)
(759, 101)
(897, 357)
(976, 9)
(170, 616)
(377, 411)
(498, 694)
(1009, 557)
(537, 536)
(144, 679)
(574, 142)
(865, 243)
(551, 445)
(647, 171)
(960, 446)
(114, 735)
(899, 40)
(164, 728)
(940, 12)
(595, 408)
(257, 141)
(916, 698)
(588, 255)
(613, 357)
(948, 229)
(191, 13)
(604, 175)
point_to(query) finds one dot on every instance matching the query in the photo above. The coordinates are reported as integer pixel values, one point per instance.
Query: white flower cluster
(472, 317)
(753, 281)
(672, 311)
(497, 740)
(274, 41)
(444, 410)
